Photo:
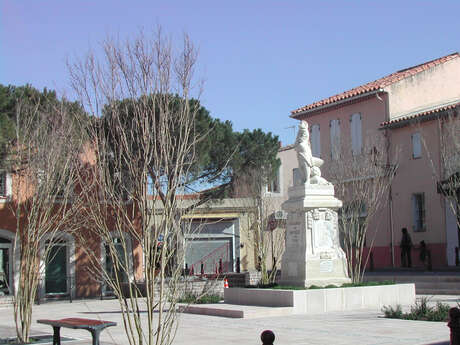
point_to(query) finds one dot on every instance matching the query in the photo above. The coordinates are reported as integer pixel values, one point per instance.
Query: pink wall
(413, 176)
(373, 113)
(419, 175)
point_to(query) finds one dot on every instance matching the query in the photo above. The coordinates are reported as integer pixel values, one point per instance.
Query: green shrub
(384, 282)
(392, 313)
(419, 311)
(206, 299)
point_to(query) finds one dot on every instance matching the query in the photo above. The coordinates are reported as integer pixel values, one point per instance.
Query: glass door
(56, 269)
(5, 251)
(111, 268)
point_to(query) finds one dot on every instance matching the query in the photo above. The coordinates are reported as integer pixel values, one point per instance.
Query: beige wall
(438, 85)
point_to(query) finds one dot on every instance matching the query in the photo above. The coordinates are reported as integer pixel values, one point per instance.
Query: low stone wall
(325, 300)
(189, 286)
(248, 278)
(252, 278)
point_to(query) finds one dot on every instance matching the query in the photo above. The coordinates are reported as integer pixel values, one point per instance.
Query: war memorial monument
(313, 255)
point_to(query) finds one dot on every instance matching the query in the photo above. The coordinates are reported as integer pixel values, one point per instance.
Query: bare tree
(266, 233)
(43, 163)
(446, 166)
(144, 141)
(450, 160)
(362, 182)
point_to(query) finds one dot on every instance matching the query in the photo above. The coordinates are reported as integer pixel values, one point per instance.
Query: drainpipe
(392, 244)
(390, 190)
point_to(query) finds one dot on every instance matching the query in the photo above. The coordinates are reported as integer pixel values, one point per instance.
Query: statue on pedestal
(309, 166)
(313, 255)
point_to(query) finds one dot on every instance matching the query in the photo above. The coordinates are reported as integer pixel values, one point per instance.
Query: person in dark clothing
(425, 255)
(423, 252)
(406, 245)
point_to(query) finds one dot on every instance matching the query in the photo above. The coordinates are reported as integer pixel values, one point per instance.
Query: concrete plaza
(360, 327)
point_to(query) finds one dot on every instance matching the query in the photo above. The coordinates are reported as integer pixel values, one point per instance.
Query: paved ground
(361, 327)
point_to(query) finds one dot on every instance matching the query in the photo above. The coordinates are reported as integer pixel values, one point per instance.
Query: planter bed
(325, 300)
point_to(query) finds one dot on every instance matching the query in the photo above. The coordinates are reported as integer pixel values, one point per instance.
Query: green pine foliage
(220, 155)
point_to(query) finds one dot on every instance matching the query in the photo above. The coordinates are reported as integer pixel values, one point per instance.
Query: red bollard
(267, 337)
(454, 325)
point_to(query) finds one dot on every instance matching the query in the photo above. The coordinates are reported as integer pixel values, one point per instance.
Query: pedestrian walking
(406, 245)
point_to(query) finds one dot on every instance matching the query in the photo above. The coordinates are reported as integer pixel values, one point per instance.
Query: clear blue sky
(260, 59)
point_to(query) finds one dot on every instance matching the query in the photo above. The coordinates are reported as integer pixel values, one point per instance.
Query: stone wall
(190, 286)
(248, 278)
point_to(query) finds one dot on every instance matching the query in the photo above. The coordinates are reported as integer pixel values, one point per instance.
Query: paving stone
(342, 328)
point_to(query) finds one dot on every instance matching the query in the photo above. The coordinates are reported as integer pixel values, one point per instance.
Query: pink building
(408, 112)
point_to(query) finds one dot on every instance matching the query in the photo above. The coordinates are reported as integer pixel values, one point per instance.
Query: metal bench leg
(56, 335)
(95, 333)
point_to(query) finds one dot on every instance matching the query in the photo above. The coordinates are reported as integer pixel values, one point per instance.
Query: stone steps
(426, 283)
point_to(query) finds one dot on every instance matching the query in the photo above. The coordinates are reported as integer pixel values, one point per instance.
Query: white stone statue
(308, 165)
(315, 177)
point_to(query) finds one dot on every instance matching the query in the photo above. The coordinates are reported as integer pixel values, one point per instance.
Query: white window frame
(7, 193)
(416, 141)
(356, 134)
(269, 189)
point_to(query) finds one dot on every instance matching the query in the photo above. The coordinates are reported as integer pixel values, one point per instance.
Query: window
(418, 210)
(3, 184)
(115, 263)
(335, 139)
(416, 145)
(274, 185)
(315, 141)
(352, 219)
(356, 134)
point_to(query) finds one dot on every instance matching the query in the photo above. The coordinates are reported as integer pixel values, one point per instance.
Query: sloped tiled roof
(377, 84)
(420, 115)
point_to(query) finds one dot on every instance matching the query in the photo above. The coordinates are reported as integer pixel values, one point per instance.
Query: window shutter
(422, 212)
(315, 141)
(335, 139)
(356, 134)
(415, 213)
(416, 145)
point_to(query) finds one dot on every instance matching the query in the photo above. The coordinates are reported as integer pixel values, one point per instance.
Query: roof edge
(423, 116)
(337, 103)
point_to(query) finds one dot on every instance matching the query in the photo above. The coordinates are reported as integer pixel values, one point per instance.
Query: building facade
(403, 114)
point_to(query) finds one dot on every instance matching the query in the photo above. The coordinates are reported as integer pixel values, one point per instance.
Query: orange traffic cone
(225, 283)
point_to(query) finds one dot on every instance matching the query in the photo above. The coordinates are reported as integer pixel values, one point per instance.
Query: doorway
(116, 271)
(56, 269)
(5, 266)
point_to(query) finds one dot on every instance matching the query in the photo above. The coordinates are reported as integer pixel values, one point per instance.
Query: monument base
(313, 254)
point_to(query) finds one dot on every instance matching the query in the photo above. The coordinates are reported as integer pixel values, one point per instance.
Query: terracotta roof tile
(377, 84)
(421, 114)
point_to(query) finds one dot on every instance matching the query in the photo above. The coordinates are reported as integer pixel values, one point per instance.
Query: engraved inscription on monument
(293, 237)
(323, 233)
(326, 266)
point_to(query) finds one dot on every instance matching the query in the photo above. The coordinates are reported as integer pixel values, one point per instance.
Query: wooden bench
(95, 327)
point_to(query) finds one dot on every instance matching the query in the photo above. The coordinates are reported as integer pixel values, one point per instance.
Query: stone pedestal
(313, 255)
